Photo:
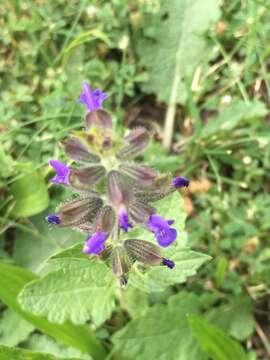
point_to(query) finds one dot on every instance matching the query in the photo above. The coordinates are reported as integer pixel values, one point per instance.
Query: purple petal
(92, 99)
(123, 219)
(170, 222)
(165, 235)
(62, 172)
(53, 219)
(157, 222)
(180, 181)
(169, 263)
(95, 243)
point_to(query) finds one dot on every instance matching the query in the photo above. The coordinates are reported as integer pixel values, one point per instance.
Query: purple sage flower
(165, 235)
(169, 263)
(92, 99)
(95, 243)
(123, 219)
(53, 219)
(62, 172)
(180, 181)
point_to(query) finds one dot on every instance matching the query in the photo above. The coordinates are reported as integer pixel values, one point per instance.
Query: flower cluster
(113, 192)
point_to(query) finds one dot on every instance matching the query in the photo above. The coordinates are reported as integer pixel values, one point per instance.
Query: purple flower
(62, 172)
(95, 243)
(92, 99)
(53, 219)
(165, 235)
(180, 181)
(123, 219)
(169, 263)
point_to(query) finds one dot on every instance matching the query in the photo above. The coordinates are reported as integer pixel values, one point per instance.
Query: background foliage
(197, 73)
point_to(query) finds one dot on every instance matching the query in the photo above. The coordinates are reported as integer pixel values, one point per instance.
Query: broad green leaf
(43, 343)
(217, 344)
(158, 278)
(79, 292)
(162, 333)
(235, 318)
(12, 281)
(30, 193)
(13, 328)
(33, 247)
(7, 353)
(232, 115)
(178, 47)
(134, 301)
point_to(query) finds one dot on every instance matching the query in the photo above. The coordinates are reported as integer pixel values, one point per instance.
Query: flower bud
(105, 220)
(137, 140)
(99, 119)
(143, 251)
(118, 191)
(76, 150)
(140, 212)
(142, 175)
(83, 179)
(120, 264)
(146, 253)
(79, 211)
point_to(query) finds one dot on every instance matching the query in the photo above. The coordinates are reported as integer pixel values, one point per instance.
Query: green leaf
(162, 333)
(83, 290)
(43, 343)
(13, 328)
(12, 281)
(30, 193)
(34, 245)
(178, 47)
(217, 344)
(158, 278)
(134, 301)
(7, 353)
(235, 318)
(232, 115)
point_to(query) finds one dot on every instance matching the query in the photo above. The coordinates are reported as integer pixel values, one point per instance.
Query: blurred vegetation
(219, 115)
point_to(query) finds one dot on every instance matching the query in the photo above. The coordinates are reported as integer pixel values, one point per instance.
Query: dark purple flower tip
(180, 181)
(53, 219)
(123, 219)
(62, 172)
(92, 99)
(95, 243)
(165, 235)
(169, 263)
(170, 222)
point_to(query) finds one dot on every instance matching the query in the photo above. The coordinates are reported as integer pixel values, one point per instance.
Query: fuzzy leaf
(33, 247)
(43, 343)
(178, 47)
(217, 344)
(232, 115)
(13, 328)
(158, 278)
(79, 292)
(12, 280)
(30, 193)
(7, 353)
(162, 333)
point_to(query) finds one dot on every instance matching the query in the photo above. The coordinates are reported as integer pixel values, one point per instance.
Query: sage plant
(113, 193)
